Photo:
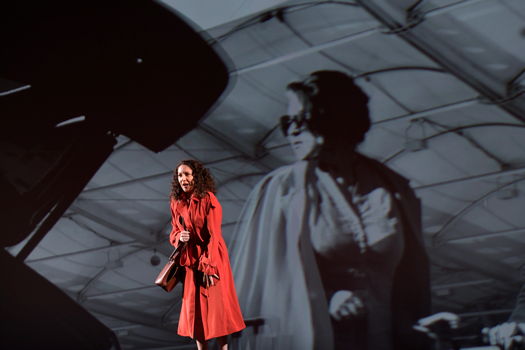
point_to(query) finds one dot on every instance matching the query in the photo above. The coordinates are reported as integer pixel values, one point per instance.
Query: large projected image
(330, 246)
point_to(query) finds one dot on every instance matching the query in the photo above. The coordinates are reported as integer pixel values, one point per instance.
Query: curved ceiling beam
(486, 235)
(400, 68)
(470, 206)
(451, 130)
(484, 176)
(275, 12)
(310, 50)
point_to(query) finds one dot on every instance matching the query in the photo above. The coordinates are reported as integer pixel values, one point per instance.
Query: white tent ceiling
(448, 109)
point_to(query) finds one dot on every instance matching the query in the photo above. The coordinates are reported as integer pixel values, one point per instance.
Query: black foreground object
(133, 67)
(37, 315)
(129, 67)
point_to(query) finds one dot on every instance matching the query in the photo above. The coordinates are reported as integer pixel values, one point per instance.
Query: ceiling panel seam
(304, 52)
(124, 314)
(265, 163)
(481, 264)
(156, 176)
(120, 291)
(459, 132)
(82, 296)
(428, 44)
(80, 252)
(340, 41)
(484, 176)
(486, 235)
(352, 71)
(122, 171)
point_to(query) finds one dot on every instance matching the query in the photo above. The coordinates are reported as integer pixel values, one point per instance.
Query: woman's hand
(184, 236)
(208, 281)
(345, 304)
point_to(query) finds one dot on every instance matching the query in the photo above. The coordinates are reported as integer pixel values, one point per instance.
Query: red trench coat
(206, 312)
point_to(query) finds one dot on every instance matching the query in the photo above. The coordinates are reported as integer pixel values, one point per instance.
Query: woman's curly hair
(202, 179)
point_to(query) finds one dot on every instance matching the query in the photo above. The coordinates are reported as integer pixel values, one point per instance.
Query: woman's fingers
(184, 236)
(212, 277)
(207, 280)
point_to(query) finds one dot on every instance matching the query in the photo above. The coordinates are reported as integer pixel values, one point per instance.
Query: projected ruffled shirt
(303, 236)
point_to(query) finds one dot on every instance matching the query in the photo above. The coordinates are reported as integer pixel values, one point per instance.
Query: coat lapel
(188, 211)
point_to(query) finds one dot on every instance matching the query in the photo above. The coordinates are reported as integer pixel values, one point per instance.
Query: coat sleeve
(207, 261)
(175, 230)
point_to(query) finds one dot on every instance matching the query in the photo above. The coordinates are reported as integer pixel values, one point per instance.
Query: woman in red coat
(210, 308)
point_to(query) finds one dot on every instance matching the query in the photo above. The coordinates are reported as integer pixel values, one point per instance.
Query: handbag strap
(177, 251)
(179, 248)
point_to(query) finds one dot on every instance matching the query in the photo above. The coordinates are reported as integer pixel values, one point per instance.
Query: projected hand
(507, 335)
(345, 304)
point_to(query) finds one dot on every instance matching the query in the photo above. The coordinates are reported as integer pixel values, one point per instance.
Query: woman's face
(301, 139)
(185, 175)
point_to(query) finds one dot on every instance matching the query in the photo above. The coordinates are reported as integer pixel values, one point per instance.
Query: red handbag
(172, 273)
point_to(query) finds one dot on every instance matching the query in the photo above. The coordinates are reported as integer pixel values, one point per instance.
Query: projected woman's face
(300, 137)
